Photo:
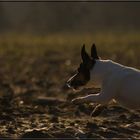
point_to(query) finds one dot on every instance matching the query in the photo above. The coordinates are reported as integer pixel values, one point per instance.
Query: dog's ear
(84, 55)
(94, 52)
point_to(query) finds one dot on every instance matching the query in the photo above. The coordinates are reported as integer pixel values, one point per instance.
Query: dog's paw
(77, 100)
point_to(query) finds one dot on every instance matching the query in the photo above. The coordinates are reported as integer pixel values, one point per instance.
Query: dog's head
(82, 77)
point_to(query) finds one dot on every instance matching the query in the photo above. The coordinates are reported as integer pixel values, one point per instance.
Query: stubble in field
(34, 67)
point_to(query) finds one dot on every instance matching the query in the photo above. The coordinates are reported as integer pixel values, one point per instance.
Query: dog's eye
(81, 68)
(78, 70)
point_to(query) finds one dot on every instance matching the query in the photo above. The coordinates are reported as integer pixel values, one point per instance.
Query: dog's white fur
(117, 82)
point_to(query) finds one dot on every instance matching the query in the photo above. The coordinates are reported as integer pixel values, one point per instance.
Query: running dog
(117, 82)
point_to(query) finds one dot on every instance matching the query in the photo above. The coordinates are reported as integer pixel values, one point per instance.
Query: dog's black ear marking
(94, 52)
(84, 55)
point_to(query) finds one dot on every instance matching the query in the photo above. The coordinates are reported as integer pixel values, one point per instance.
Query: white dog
(116, 81)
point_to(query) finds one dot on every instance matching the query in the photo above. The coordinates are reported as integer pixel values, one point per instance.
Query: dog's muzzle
(68, 83)
(71, 85)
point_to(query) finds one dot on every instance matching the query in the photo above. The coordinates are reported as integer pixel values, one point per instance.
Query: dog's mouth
(72, 87)
(68, 85)
(77, 88)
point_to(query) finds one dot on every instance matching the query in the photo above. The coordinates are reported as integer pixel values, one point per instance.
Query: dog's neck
(102, 70)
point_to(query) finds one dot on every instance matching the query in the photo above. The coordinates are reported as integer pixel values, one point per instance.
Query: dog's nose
(68, 83)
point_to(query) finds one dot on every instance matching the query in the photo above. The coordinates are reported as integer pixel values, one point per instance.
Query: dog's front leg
(102, 98)
(97, 98)
(85, 99)
(107, 93)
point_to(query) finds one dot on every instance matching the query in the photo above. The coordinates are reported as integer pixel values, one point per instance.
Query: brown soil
(35, 103)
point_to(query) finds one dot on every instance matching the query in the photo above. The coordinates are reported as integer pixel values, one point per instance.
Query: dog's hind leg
(97, 110)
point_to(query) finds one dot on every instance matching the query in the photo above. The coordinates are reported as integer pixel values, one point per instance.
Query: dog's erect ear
(94, 52)
(84, 55)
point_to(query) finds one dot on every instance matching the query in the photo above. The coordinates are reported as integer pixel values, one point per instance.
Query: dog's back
(123, 81)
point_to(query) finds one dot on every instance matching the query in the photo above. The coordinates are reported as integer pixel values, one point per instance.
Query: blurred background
(40, 45)
(54, 17)
(41, 41)
(37, 35)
